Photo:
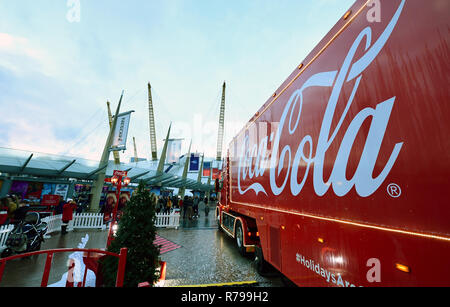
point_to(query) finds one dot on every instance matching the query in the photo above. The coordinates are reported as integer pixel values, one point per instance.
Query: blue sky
(56, 75)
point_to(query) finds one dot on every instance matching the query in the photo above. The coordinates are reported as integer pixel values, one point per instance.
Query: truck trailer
(342, 177)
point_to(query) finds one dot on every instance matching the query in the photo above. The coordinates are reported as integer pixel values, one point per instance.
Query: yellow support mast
(151, 117)
(221, 125)
(135, 150)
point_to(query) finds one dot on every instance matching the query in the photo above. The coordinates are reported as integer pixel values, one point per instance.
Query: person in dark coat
(59, 206)
(189, 204)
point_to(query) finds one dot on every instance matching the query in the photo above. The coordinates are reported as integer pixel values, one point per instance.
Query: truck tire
(219, 226)
(262, 266)
(239, 235)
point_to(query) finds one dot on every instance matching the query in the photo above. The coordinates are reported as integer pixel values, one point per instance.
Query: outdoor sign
(34, 190)
(120, 173)
(156, 190)
(20, 188)
(50, 200)
(194, 163)
(173, 151)
(206, 169)
(216, 174)
(47, 188)
(61, 190)
(119, 141)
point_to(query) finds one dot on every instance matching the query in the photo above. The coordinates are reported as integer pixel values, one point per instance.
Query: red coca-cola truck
(342, 178)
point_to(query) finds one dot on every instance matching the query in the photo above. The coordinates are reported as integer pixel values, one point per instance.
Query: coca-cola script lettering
(254, 158)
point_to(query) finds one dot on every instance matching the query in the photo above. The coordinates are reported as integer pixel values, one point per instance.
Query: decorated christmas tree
(137, 232)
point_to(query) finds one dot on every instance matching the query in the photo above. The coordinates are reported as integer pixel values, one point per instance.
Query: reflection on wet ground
(206, 256)
(27, 272)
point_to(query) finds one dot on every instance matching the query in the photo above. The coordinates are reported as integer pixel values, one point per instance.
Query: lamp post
(116, 180)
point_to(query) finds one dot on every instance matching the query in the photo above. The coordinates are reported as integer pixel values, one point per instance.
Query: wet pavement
(206, 256)
(27, 272)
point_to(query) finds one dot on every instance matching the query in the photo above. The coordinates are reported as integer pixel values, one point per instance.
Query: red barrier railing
(48, 263)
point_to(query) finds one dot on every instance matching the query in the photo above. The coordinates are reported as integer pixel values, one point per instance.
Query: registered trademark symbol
(394, 190)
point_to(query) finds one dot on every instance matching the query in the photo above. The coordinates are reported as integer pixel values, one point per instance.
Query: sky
(60, 61)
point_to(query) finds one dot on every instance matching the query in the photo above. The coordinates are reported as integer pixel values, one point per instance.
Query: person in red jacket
(67, 215)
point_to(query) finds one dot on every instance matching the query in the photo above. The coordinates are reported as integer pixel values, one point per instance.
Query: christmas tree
(137, 232)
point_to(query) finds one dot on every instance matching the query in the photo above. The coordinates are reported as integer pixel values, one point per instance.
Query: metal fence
(171, 220)
(4, 231)
(87, 221)
(79, 221)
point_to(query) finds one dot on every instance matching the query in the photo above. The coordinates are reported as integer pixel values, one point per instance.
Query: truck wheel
(219, 227)
(239, 234)
(262, 266)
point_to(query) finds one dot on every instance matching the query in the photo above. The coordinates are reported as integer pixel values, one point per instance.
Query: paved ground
(206, 256)
(27, 272)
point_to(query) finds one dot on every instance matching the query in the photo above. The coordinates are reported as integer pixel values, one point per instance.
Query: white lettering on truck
(362, 180)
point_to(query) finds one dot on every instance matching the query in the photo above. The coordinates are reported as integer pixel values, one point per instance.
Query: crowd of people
(167, 204)
(188, 206)
(16, 208)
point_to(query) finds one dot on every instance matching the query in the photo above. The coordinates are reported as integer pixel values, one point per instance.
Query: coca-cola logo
(362, 180)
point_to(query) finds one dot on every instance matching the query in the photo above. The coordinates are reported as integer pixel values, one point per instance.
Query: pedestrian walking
(169, 206)
(189, 205)
(185, 206)
(195, 206)
(175, 204)
(180, 205)
(201, 205)
(164, 204)
(59, 206)
(67, 215)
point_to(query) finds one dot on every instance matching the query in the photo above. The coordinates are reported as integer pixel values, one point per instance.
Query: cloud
(56, 75)
(18, 55)
(12, 44)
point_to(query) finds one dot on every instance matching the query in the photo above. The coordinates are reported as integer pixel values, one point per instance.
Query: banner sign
(217, 174)
(119, 141)
(156, 190)
(34, 190)
(173, 151)
(61, 190)
(207, 169)
(50, 200)
(120, 173)
(20, 188)
(47, 189)
(194, 163)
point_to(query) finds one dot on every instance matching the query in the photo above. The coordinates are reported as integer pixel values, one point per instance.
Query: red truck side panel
(349, 163)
